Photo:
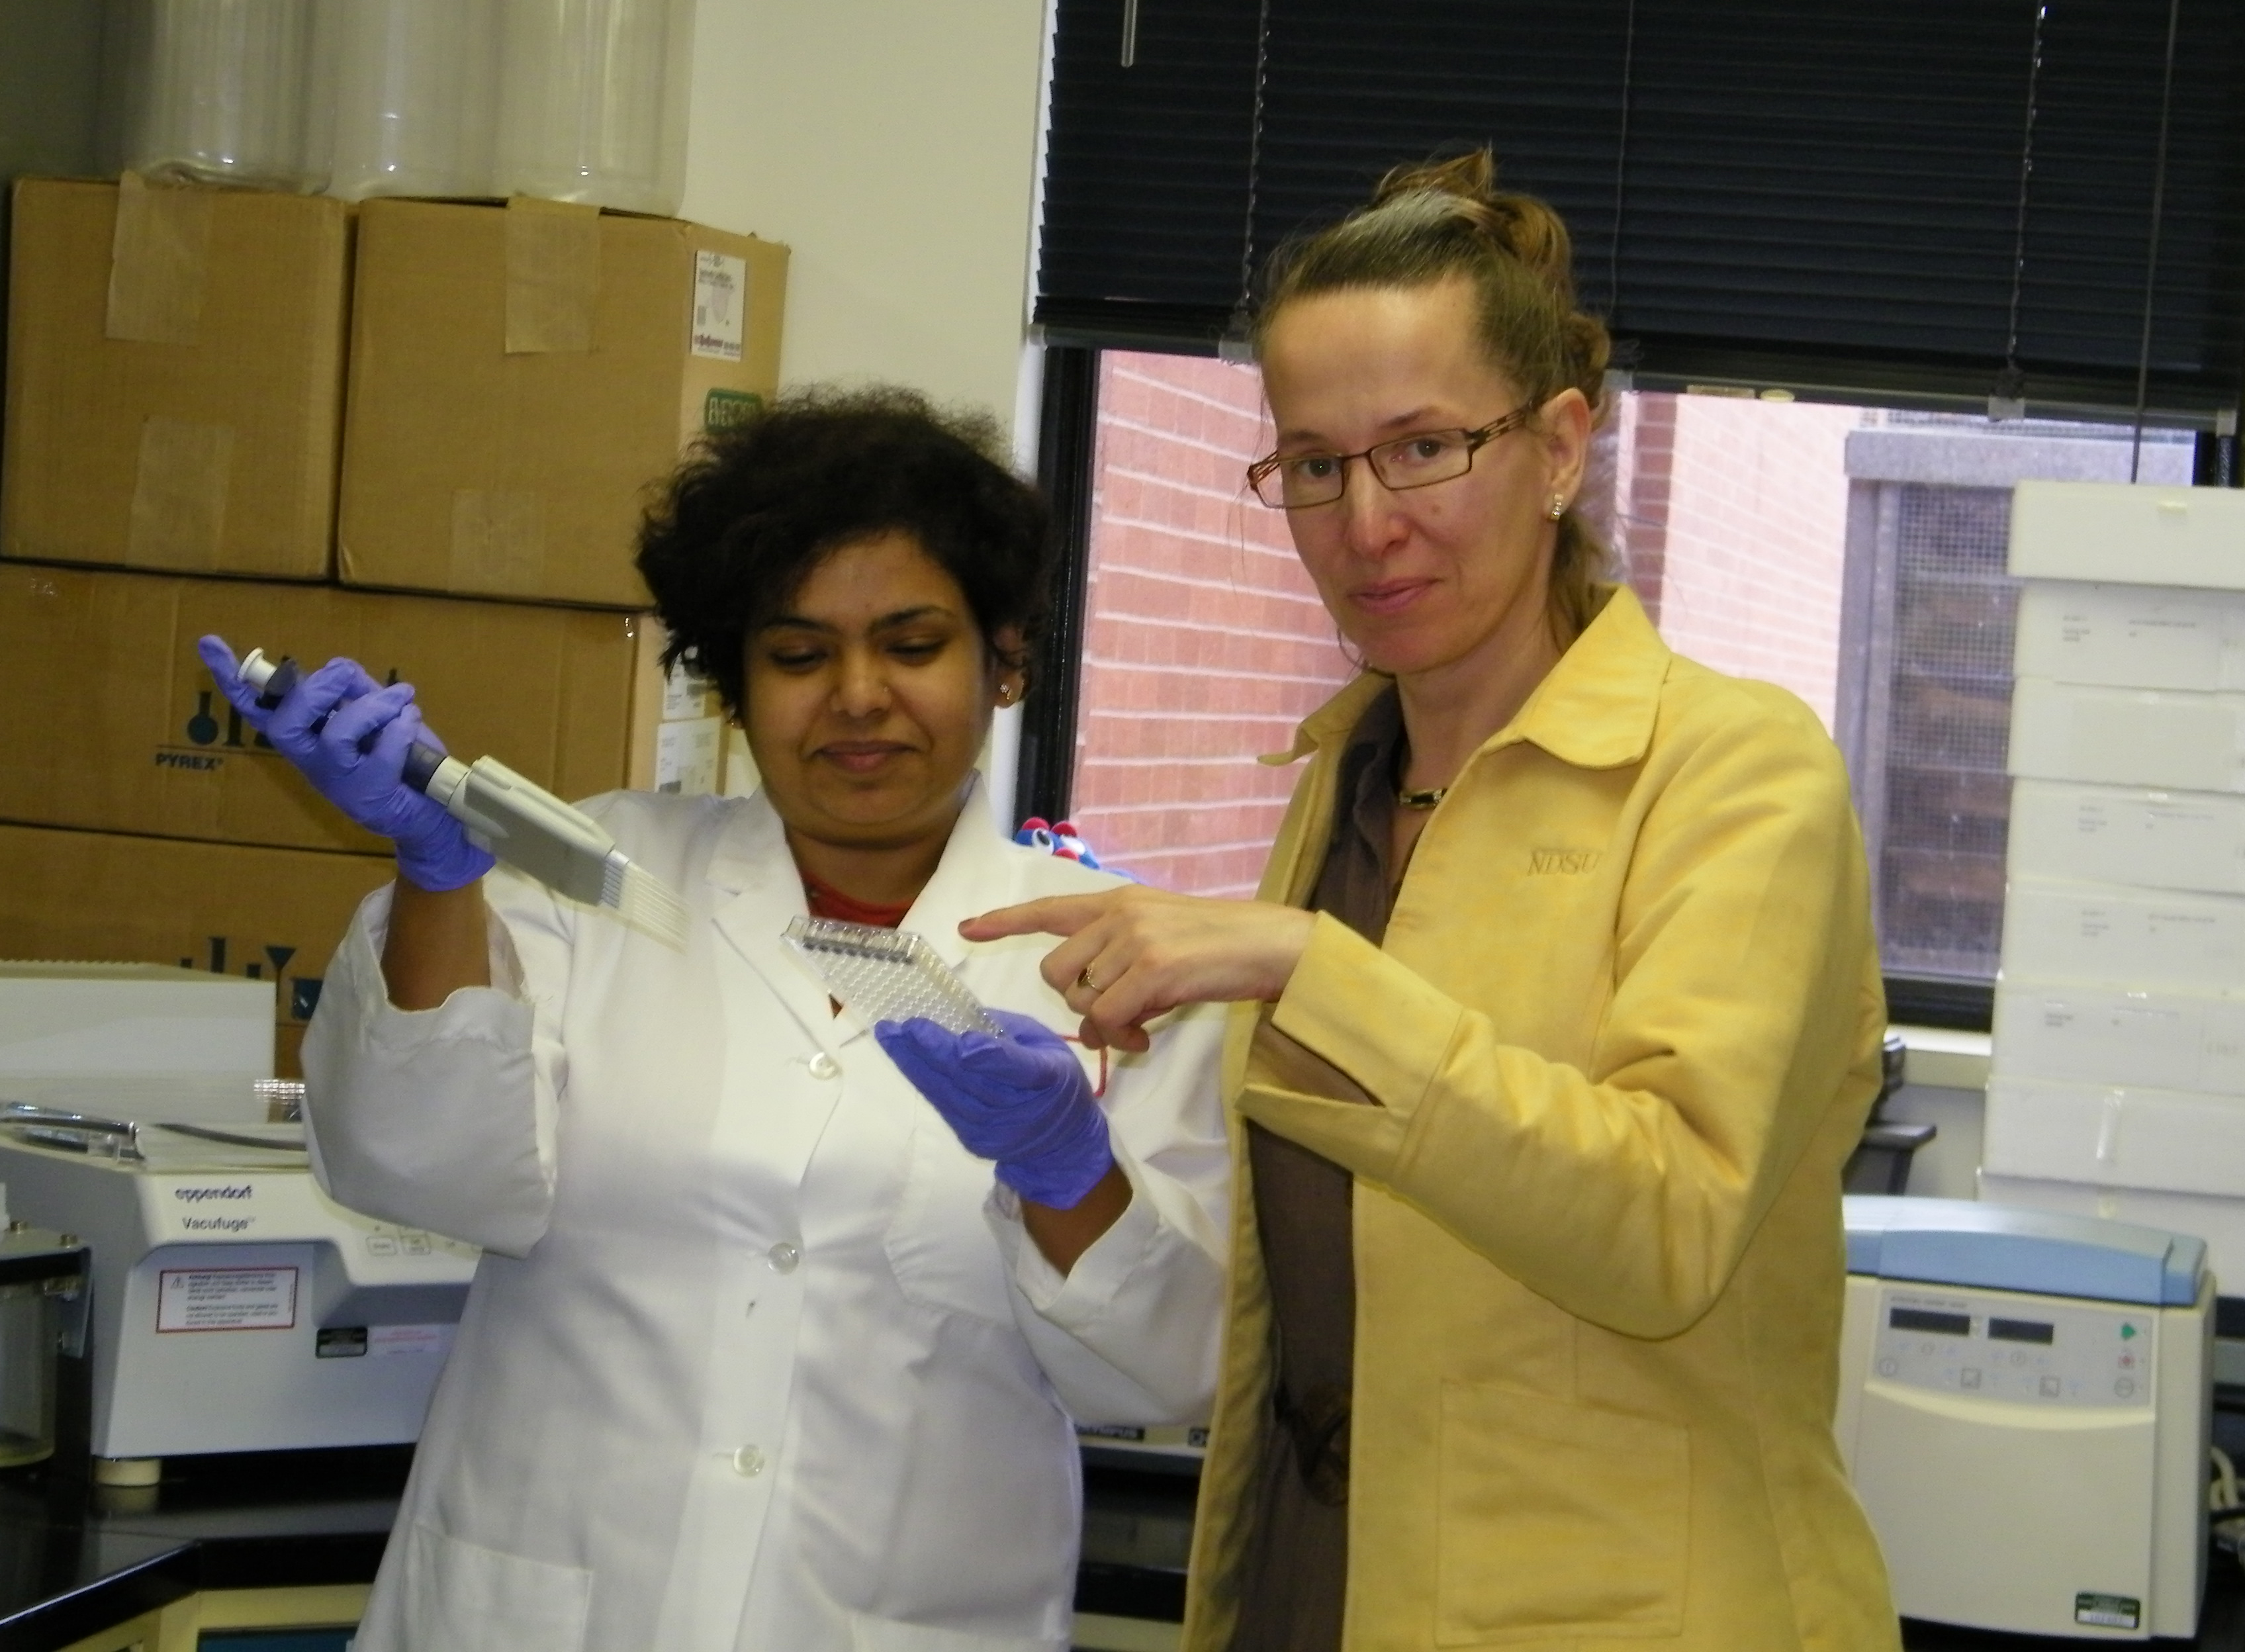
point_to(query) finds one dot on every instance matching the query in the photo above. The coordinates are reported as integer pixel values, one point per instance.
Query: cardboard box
(521, 375)
(2093, 1034)
(2124, 835)
(114, 726)
(2166, 1140)
(2130, 534)
(2127, 736)
(2219, 1221)
(2136, 938)
(2131, 636)
(175, 375)
(260, 914)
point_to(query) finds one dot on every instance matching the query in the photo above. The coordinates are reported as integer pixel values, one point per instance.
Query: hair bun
(1463, 188)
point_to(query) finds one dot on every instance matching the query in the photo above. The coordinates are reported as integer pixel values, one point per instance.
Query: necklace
(1405, 798)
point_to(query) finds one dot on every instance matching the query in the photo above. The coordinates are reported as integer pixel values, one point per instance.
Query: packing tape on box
(553, 277)
(157, 260)
(498, 542)
(178, 518)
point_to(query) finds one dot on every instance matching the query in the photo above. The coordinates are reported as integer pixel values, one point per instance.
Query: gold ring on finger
(1085, 981)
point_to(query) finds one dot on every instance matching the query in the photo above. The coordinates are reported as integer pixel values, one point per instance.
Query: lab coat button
(782, 1258)
(823, 1065)
(748, 1462)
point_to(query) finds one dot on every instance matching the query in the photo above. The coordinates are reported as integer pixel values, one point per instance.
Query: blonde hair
(1446, 220)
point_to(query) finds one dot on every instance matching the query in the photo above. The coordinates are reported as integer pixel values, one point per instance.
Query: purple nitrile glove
(1022, 1101)
(349, 735)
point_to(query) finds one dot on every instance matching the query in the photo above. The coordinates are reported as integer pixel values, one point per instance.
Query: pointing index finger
(1054, 915)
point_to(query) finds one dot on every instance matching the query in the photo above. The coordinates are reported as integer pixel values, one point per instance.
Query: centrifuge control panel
(2032, 1350)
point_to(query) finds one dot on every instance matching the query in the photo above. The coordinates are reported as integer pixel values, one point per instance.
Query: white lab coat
(758, 1357)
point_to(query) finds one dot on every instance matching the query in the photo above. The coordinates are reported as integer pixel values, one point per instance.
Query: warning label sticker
(382, 1341)
(721, 304)
(225, 1299)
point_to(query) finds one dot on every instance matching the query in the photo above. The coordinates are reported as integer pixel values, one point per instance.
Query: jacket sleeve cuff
(1384, 1031)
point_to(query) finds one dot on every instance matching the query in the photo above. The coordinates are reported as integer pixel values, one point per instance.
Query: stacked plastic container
(2117, 1084)
(574, 100)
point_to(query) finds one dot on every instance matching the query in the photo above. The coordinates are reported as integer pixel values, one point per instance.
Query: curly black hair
(754, 508)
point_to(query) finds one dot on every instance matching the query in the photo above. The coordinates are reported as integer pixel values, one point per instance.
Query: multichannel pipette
(521, 824)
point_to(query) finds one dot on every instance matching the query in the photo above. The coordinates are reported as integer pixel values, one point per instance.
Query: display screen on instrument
(1925, 1319)
(2021, 1330)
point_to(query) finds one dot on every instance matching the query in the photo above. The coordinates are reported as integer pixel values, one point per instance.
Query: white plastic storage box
(2162, 1141)
(2110, 1035)
(2128, 533)
(2127, 736)
(2218, 1220)
(2128, 834)
(2134, 938)
(2131, 636)
(132, 1018)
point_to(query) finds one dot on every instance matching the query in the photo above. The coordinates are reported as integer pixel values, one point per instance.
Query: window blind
(1843, 199)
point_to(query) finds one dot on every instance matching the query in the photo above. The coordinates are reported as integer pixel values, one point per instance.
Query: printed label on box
(687, 693)
(382, 1341)
(721, 304)
(686, 757)
(723, 409)
(226, 1299)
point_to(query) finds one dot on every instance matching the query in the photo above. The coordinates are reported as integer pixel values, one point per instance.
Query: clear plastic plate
(887, 975)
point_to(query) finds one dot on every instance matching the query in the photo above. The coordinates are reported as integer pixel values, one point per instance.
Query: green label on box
(2109, 1611)
(725, 408)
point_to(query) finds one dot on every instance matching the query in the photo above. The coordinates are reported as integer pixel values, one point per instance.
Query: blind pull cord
(2008, 399)
(1238, 344)
(2151, 251)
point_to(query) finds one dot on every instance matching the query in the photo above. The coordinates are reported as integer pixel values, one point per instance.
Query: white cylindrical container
(593, 101)
(221, 91)
(416, 97)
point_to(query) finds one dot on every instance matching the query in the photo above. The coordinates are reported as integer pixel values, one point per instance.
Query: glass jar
(416, 97)
(592, 98)
(221, 91)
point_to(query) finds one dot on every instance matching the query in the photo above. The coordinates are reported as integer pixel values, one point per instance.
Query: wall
(893, 147)
(1756, 501)
(1204, 644)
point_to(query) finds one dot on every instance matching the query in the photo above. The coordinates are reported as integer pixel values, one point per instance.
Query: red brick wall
(1755, 540)
(1204, 641)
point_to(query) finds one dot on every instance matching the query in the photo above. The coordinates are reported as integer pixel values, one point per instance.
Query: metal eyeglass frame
(1263, 467)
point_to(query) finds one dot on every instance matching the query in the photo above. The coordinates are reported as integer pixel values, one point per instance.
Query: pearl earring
(1558, 506)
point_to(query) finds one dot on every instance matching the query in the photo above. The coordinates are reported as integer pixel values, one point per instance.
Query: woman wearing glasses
(1559, 1015)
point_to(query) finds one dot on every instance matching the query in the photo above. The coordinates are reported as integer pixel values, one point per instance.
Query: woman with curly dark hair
(782, 1322)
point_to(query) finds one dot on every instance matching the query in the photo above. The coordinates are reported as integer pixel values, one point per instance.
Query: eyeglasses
(1299, 481)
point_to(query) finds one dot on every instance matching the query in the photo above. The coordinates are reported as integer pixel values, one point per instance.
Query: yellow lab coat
(1622, 1036)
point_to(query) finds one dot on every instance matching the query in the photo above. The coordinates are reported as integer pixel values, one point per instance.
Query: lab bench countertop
(75, 1559)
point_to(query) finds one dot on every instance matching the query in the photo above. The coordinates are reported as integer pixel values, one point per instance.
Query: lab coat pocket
(463, 1598)
(1558, 1520)
(940, 1246)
